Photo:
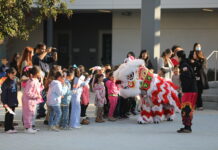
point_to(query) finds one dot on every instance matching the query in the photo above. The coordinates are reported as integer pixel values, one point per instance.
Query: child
(3, 67)
(31, 97)
(189, 89)
(65, 102)
(49, 79)
(112, 96)
(106, 106)
(176, 79)
(55, 93)
(100, 99)
(78, 83)
(9, 99)
(85, 101)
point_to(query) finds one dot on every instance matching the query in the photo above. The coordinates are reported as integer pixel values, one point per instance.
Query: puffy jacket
(55, 92)
(9, 93)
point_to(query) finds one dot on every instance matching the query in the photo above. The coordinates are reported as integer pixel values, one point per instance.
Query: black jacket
(9, 93)
(148, 64)
(187, 77)
(200, 74)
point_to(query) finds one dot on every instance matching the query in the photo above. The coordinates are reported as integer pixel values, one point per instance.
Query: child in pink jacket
(85, 99)
(113, 92)
(31, 97)
(100, 98)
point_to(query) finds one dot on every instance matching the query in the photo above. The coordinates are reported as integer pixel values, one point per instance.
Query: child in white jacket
(55, 93)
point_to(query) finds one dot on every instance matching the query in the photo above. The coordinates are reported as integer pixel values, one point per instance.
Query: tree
(19, 17)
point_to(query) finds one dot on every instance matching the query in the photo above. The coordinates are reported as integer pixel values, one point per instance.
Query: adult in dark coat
(198, 63)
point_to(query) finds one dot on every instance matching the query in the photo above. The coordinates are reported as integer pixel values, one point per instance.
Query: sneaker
(30, 131)
(85, 122)
(200, 108)
(36, 129)
(40, 116)
(14, 131)
(77, 127)
(64, 128)
(54, 128)
(111, 119)
(45, 122)
(9, 132)
(184, 130)
(99, 120)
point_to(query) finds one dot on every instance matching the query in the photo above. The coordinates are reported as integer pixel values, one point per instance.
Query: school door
(105, 47)
(62, 43)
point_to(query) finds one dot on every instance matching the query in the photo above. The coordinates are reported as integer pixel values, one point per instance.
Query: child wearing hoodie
(65, 102)
(113, 92)
(9, 99)
(31, 97)
(55, 93)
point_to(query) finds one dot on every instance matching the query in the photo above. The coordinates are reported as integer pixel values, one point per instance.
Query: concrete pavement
(120, 135)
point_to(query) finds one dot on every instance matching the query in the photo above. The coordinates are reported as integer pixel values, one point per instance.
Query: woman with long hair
(145, 56)
(165, 65)
(198, 63)
(26, 59)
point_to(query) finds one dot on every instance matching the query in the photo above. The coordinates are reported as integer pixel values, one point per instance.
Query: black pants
(9, 118)
(106, 108)
(199, 102)
(83, 110)
(41, 107)
(132, 104)
(123, 106)
(117, 109)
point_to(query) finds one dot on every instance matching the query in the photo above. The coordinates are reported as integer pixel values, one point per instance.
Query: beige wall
(125, 35)
(183, 28)
(17, 45)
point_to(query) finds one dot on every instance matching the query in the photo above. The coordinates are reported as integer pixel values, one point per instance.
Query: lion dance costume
(159, 99)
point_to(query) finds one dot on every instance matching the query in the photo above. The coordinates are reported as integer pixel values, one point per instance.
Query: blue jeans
(64, 122)
(55, 115)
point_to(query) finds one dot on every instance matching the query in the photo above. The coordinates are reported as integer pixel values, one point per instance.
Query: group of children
(67, 96)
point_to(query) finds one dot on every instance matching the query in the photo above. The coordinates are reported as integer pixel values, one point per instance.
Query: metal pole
(215, 71)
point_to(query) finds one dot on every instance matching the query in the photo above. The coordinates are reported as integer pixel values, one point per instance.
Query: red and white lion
(159, 99)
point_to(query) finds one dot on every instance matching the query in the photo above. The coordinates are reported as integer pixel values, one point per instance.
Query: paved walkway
(120, 135)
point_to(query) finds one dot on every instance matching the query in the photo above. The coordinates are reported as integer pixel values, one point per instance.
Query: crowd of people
(62, 95)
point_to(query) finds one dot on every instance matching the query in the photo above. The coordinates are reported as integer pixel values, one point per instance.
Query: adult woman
(166, 65)
(197, 47)
(145, 56)
(198, 63)
(26, 59)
